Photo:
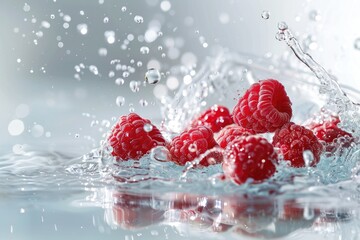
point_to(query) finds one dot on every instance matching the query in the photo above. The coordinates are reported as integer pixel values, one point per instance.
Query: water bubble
(102, 52)
(144, 50)
(82, 28)
(138, 19)
(37, 130)
(308, 158)
(224, 18)
(18, 60)
(282, 26)
(120, 101)
(143, 102)
(134, 86)
(110, 36)
(67, 18)
(77, 135)
(111, 74)
(280, 36)
(45, 24)
(187, 79)
(357, 44)
(165, 6)
(82, 12)
(192, 147)
(150, 35)
(152, 76)
(93, 69)
(125, 74)
(60, 44)
(119, 81)
(314, 16)
(106, 20)
(26, 7)
(159, 153)
(18, 149)
(148, 127)
(139, 64)
(52, 16)
(16, 127)
(265, 14)
(123, 9)
(66, 25)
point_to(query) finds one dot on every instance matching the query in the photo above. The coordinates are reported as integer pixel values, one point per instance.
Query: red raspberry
(293, 140)
(192, 143)
(328, 132)
(214, 118)
(230, 132)
(133, 136)
(264, 107)
(249, 157)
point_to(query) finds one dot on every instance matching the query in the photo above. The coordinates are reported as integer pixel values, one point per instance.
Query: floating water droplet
(16, 127)
(106, 20)
(18, 60)
(26, 7)
(139, 64)
(192, 147)
(102, 52)
(119, 81)
(138, 19)
(66, 25)
(357, 44)
(282, 26)
(45, 24)
(82, 28)
(60, 44)
(93, 69)
(82, 13)
(67, 18)
(143, 102)
(134, 86)
(120, 101)
(152, 76)
(159, 153)
(314, 15)
(52, 16)
(111, 74)
(144, 50)
(123, 9)
(165, 6)
(308, 158)
(110, 36)
(148, 127)
(187, 79)
(265, 14)
(125, 74)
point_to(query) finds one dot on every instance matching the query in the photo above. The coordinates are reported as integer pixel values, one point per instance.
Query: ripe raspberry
(249, 157)
(191, 143)
(133, 136)
(293, 140)
(214, 118)
(230, 132)
(264, 107)
(328, 132)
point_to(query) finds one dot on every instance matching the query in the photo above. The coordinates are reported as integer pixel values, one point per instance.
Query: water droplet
(138, 19)
(152, 76)
(111, 74)
(82, 28)
(123, 9)
(106, 20)
(357, 44)
(110, 36)
(102, 52)
(148, 127)
(187, 79)
(45, 24)
(143, 102)
(37, 130)
(144, 50)
(119, 81)
(66, 25)
(18, 60)
(192, 147)
(82, 13)
(77, 135)
(26, 7)
(159, 153)
(134, 86)
(52, 16)
(282, 26)
(308, 158)
(93, 69)
(16, 127)
(120, 101)
(125, 74)
(139, 64)
(60, 44)
(165, 6)
(265, 14)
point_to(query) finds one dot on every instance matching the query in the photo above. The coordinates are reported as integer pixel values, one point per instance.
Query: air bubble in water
(165, 6)
(134, 86)
(144, 50)
(138, 19)
(192, 147)
(148, 127)
(357, 44)
(106, 20)
(37, 130)
(119, 81)
(282, 26)
(152, 76)
(110, 36)
(60, 44)
(125, 74)
(45, 24)
(123, 9)
(82, 28)
(16, 127)
(102, 52)
(308, 158)
(265, 14)
(52, 16)
(82, 12)
(120, 101)
(159, 153)
(26, 7)
(93, 69)
(143, 102)
(18, 60)
(139, 64)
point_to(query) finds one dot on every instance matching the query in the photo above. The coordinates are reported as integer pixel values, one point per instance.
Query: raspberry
(264, 107)
(192, 143)
(293, 140)
(328, 132)
(230, 132)
(133, 136)
(214, 118)
(249, 157)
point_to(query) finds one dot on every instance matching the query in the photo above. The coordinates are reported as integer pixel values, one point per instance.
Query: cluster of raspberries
(264, 108)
